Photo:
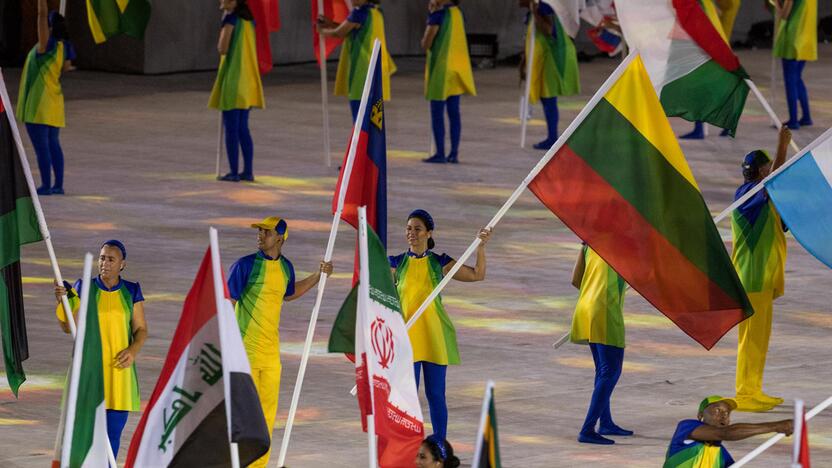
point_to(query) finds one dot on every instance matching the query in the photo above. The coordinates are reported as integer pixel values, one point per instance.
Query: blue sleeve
(290, 285)
(435, 18)
(230, 18)
(238, 276)
(358, 15)
(135, 291)
(444, 259)
(76, 289)
(543, 9)
(683, 431)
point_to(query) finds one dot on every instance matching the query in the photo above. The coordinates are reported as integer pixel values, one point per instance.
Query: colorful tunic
(115, 317)
(684, 452)
(259, 284)
(448, 68)
(41, 99)
(555, 62)
(433, 336)
(599, 314)
(238, 84)
(356, 51)
(759, 243)
(797, 35)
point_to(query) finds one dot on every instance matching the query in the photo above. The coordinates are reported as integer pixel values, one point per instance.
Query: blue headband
(756, 158)
(424, 216)
(117, 244)
(437, 441)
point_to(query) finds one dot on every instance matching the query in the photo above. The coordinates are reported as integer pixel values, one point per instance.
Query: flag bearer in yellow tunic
(40, 104)
(238, 87)
(363, 26)
(760, 259)
(433, 336)
(599, 322)
(258, 284)
(123, 331)
(448, 74)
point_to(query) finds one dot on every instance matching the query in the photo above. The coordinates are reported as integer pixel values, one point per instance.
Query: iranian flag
(688, 58)
(204, 401)
(85, 442)
(383, 355)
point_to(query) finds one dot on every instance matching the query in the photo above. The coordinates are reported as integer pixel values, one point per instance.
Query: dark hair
(58, 24)
(427, 219)
(242, 10)
(752, 163)
(442, 450)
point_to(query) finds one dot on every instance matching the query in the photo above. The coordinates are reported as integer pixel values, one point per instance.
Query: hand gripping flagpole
(324, 92)
(333, 232)
(774, 439)
(769, 110)
(524, 108)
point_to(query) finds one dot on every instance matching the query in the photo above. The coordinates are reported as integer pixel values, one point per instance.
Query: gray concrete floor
(140, 155)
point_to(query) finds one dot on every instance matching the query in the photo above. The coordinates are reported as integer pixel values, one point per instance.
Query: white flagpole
(769, 110)
(489, 390)
(219, 144)
(324, 92)
(774, 439)
(560, 342)
(827, 134)
(522, 187)
(221, 301)
(27, 171)
(524, 109)
(798, 433)
(62, 8)
(333, 232)
(364, 294)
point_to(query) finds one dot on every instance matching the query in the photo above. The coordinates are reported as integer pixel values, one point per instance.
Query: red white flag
(800, 456)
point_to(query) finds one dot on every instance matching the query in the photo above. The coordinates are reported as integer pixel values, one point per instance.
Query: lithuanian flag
(487, 452)
(112, 17)
(622, 184)
(18, 226)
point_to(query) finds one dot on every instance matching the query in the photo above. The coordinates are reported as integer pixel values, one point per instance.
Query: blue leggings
(115, 425)
(237, 135)
(608, 363)
(550, 110)
(796, 90)
(435, 393)
(354, 105)
(48, 150)
(437, 115)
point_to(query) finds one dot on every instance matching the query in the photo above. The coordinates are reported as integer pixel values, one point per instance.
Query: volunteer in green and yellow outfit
(448, 74)
(760, 259)
(123, 331)
(258, 284)
(796, 42)
(554, 65)
(697, 443)
(599, 322)
(40, 103)
(363, 26)
(238, 87)
(433, 336)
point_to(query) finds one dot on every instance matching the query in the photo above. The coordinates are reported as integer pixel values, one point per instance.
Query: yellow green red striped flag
(487, 452)
(108, 18)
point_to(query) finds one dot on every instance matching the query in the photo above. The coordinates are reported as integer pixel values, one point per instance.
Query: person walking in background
(796, 42)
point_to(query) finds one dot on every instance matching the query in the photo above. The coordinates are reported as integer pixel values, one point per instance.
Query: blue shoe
(44, 191)
(453, 158)
(614, 431)
(230, 177)
(544, 145)
(247, 177)
(436, 158)
(57, 191)
(792, 124)
(594, 438)
(696, 134)
(805, 122)
(725, 132)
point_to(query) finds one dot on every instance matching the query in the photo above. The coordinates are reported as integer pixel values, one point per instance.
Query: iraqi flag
(688, 58)
(266, 21)
(337, 11)
(367, 186)
(384, 356)
(205, 398)
(800, 452)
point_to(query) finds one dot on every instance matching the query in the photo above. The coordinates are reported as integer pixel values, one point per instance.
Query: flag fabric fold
(108, 18)
(622, 184)
(18, 226)
(187, 420)
(693, 69)
(266, 21)
(383, 356)
(337, 11)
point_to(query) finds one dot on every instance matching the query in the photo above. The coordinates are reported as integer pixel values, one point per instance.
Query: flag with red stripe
(337, 11)
(266, 21)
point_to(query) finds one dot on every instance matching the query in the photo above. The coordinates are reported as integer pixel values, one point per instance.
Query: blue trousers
(237, 136)
(608, 363)
(48, 150)
(115, 425)
(435, 393)
(437, 116)
(354, 105)
(550, 110)
(795, 89)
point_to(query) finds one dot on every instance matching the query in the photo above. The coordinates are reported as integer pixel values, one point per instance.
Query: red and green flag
(622, 184)
(109, 18)
(18, 226)
(688, 58)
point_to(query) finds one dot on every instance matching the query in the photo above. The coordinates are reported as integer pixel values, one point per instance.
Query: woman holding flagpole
(238, 87)
(433, 337)
(363, 26)
(554, 70)
(796, 42)
(40, 104)
(448, 74)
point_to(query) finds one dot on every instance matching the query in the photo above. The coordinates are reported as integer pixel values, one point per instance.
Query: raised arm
(707, 433)
(43, 26)
(477, 273)
(782, 146)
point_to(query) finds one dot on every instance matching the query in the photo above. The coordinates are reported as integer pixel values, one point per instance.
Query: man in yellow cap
(698, 442)
(259, 283)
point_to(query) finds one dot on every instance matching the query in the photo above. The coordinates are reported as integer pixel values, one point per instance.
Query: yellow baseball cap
(716, 399)
(274, 222)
